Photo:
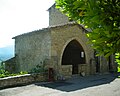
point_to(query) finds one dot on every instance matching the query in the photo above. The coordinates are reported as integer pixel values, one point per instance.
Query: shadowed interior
(73, 55)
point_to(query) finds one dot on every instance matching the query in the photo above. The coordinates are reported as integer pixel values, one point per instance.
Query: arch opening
(73, 55)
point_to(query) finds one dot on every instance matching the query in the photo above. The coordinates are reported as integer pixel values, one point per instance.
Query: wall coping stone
(20, 80)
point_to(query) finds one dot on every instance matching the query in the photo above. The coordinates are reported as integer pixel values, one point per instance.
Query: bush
(117, 57)
(4, 73)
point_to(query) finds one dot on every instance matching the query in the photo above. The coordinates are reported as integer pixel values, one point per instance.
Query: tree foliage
(101, 16)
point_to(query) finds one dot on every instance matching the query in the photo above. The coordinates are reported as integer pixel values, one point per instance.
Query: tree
(102, 17)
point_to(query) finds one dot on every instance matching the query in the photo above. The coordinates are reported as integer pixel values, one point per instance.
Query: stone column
(113, 64)
(104, 68)
(92, 66)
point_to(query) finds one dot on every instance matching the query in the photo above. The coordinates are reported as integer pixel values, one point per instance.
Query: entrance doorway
(73, 55)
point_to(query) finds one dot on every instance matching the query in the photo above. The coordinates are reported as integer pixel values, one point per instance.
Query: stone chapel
(62, 46)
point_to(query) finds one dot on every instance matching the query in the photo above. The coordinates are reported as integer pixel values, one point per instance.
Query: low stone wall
(21, 80)
(66, 71)
(82, 69)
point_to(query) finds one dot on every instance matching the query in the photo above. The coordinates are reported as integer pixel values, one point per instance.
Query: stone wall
(22, 80)
(113, 64)
(66, 71)
(46, 47)
(103, 65)
(62, 35)
(32, 49)
(82, 68)
(10, 65)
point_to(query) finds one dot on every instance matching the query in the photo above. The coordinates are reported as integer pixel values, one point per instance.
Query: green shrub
(117, 57)
(7, 74)
(4, 73)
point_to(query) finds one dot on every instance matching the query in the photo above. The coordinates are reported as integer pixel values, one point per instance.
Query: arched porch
(74, 55)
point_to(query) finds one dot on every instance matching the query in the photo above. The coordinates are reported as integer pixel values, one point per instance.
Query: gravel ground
(97, 85)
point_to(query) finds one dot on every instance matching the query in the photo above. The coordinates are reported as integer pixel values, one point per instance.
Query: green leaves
(102, 17)
(4, 73)
(117, 58)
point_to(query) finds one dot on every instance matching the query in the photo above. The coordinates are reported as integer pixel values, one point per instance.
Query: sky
(21, 16)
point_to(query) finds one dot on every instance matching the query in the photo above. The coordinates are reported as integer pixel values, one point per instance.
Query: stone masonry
(35, 48)
(62, 46)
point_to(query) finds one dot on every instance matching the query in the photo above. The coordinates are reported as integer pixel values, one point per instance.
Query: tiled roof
(51, 27)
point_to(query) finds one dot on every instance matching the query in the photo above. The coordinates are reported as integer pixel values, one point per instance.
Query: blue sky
(20, 16)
